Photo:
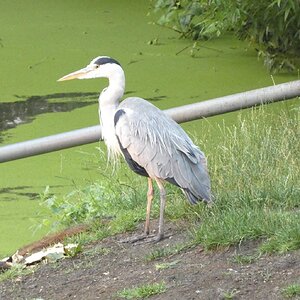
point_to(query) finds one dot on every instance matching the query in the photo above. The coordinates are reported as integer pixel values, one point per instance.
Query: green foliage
(192, 19)
(72, 252)
(255, 172)
(108, 201)
(228, 295)
(254, 166)
(99, 200)
(272, 27)
(291, 291)
(143, 291)
(284, 239)
(16, 271)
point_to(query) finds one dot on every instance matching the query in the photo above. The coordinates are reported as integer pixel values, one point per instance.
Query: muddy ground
(106, 267)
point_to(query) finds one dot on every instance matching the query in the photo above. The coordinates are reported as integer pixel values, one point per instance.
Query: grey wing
(157, 146)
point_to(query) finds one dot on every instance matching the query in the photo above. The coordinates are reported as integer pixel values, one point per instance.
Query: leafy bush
(272, 27)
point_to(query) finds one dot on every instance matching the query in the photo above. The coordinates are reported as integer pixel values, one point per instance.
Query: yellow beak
(75, 74)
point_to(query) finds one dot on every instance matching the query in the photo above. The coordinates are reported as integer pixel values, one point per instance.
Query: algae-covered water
(40, 41)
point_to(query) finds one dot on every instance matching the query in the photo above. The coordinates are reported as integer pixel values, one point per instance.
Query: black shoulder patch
(106, 60)
(133, 165)
(118, 115)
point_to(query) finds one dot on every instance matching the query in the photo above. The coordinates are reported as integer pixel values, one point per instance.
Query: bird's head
(99, 67)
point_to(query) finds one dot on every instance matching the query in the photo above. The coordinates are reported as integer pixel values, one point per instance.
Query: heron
(152, 143)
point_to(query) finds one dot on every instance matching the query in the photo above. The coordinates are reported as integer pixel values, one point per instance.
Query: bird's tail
(193, 178)
(198, 188)
(193, 199)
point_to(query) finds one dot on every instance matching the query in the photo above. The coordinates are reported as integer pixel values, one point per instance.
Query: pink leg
(162, 192)
(149, 204)
(146, 237)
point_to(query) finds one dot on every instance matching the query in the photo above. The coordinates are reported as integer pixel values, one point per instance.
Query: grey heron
(152, 143)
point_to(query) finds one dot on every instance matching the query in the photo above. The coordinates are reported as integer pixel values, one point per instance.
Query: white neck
(108, 104)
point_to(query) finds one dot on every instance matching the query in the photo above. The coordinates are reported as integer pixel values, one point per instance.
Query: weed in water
(291, 291)
(143, 291)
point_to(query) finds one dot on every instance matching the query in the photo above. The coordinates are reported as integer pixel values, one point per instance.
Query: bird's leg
(145, 235)
(146, 238)
(149, 204)
(162, 192)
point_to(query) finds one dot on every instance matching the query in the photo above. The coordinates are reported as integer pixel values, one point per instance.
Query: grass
(167, 251)
(228, 295)
(143, 291)
(255, 177)
(291, 291)
(108, 206)
(245, 259)
(254, 166)
(166, 265)
(15, 271)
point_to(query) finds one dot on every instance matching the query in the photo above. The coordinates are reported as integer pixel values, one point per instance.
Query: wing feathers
(162, 148)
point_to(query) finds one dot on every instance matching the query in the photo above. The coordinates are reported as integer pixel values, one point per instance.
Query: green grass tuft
(228, 295)
(15, 271)
(166, 265)
(244, 259)
(291, 291)
(143, 291)
(167, 251)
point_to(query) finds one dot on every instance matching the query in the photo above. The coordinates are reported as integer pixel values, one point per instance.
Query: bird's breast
(111, 142)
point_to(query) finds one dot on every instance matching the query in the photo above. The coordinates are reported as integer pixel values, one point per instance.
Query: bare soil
(106, 267)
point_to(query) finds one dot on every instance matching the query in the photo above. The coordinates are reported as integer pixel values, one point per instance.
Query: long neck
(108, 104)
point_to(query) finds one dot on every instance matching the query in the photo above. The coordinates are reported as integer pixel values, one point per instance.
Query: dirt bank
(106, 267)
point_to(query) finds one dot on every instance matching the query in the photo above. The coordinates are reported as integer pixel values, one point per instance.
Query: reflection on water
(13, 114)
(13, 193)
(16, 113)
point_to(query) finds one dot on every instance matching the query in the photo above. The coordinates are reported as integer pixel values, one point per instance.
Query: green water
(40, 41)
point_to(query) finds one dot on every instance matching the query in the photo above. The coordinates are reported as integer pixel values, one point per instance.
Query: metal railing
(180, 114)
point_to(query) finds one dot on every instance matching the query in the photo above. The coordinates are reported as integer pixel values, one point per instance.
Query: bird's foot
(153, 239)
(135, 238)
(143, 238)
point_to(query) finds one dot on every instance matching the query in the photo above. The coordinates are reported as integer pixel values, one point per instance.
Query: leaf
(286, 13)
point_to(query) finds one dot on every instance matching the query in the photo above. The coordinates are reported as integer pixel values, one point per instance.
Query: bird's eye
(97, 66)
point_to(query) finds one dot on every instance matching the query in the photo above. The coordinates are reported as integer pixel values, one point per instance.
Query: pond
(40, 41)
